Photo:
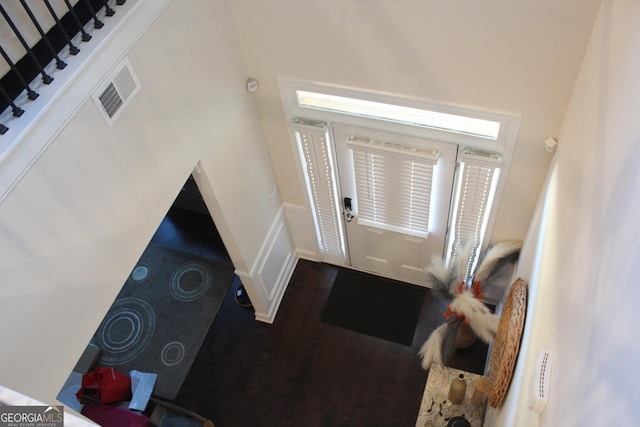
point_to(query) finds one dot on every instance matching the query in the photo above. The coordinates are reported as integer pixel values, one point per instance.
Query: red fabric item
(113, 416)
(104, 385)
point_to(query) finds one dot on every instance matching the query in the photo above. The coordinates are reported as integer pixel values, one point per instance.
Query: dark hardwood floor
(191, 232)
(299, 371)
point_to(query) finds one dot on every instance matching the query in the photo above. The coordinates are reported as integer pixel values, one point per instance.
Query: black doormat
(375, 306)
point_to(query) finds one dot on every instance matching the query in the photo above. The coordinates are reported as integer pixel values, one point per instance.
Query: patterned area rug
(162, 314)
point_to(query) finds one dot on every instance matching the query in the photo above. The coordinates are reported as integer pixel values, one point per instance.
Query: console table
(436, 410)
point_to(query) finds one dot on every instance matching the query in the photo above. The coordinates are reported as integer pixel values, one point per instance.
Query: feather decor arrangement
(466, 313)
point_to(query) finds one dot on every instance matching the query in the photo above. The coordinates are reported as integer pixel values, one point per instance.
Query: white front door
(399, 191)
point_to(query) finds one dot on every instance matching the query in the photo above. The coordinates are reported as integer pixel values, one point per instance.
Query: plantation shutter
(393, 185)
(477, 179)
(313, 143)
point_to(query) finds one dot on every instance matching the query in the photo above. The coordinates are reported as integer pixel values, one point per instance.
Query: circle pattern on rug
(126, 330)
(172, 353)
(190, 281)
(140, 273)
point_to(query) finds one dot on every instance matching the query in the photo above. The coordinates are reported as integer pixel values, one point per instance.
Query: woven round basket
(507, 342)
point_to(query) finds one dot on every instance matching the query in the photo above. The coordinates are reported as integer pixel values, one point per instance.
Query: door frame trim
(504, 144)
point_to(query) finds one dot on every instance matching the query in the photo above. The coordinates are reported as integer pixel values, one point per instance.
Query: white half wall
(582, 251)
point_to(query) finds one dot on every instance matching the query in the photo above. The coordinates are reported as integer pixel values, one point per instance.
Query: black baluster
(97, 24)
(31, 94)
(17, 111)
(46, 78)
(107, 8)
(73, 50)
(60, 64)
(85, 36)
(3, 129)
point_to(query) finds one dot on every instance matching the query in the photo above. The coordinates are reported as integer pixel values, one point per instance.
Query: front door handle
(348, 214)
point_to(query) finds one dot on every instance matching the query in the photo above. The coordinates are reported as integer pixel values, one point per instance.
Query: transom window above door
(463, 125)
(447, 122)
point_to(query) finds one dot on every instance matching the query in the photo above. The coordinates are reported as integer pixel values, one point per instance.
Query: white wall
(519, 57)
(73, 226)
(583, 248)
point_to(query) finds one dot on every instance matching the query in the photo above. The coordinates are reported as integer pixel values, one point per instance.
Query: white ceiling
(516, 56)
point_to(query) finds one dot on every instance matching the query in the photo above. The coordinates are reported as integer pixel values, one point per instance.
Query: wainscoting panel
(270, 274)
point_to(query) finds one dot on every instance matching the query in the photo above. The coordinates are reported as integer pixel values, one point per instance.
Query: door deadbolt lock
(348, 214)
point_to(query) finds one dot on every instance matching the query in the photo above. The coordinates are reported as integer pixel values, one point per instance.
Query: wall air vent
(117, 91)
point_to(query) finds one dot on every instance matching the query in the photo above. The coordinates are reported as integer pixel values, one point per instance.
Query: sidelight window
(320, 178)
(476, 181)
